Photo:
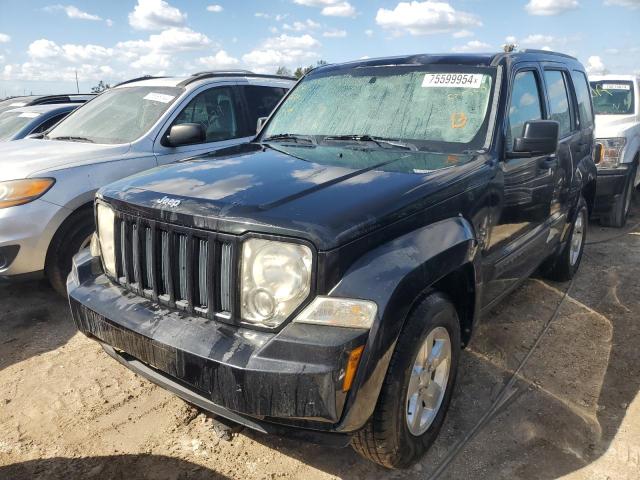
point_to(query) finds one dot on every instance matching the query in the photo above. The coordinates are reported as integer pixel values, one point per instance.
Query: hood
(608, 126)
(28, 157)
(325, 194)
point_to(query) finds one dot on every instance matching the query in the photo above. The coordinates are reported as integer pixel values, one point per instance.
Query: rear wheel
(73, 236)
(564, 265)
(417, 389)
(617, 216)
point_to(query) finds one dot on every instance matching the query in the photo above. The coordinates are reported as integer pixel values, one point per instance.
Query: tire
(68, 240)
(564, 265)
(387, 438)
(617, 216)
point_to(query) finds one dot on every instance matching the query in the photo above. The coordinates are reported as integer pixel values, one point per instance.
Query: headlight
(19, 192)
(339, 312)
(106, 222)
(276, 279)
(611, 151)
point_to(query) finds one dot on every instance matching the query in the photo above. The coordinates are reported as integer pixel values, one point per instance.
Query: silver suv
(47, 184)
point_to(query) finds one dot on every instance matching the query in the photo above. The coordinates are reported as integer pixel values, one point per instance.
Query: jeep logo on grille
(167, 202)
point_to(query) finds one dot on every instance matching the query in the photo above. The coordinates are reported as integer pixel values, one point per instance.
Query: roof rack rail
(232, 73)
(137, 79)
(206, 72)
(548, 52)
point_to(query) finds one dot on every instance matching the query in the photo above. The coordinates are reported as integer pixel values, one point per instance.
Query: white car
(616, 103)
(47, 184)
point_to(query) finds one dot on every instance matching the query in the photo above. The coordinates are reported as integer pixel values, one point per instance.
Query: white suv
(616, 103)
(47, 184)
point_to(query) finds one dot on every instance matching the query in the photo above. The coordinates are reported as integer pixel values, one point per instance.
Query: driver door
(219, 112)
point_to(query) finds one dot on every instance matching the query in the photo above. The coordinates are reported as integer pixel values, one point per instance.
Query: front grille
(181, 267)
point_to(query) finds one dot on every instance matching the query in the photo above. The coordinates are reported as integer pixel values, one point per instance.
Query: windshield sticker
(452, 80)
(159, 97)
(29, 115)
(17, 104)
(458, 120)
(615, 86)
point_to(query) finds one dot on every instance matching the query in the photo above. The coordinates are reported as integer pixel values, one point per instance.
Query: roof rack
(137, 79)
(547, 52)
(229, 73)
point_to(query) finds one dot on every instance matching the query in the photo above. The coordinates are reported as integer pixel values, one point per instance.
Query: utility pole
(77, 86)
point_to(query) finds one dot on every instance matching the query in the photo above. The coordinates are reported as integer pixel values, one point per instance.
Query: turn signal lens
(352, 367)
(19, 192)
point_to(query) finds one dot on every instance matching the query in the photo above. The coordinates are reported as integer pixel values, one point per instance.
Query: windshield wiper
(73, 139)
(288, 136)
(368, 138)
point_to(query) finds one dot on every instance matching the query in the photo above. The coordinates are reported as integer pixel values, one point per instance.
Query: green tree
(101, 87)
(283, 71)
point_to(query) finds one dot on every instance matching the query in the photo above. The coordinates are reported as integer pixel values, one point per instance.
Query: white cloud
(4, 38)
(462, 34)
(283, 50)
(537, 39)
(550, 7)
(215, 8)
(155, 15)
(595, 66)
(335, 33)
(268, 16)
(109, 22)
(72, 12)
(368, 33)
(472, 46)
(218, 61)
(424, 18)
(623, 3)
(510, 39)
(330, 8)
(301, 26)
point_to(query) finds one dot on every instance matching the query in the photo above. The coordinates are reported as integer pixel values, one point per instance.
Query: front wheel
(564, 265)
(417, 389)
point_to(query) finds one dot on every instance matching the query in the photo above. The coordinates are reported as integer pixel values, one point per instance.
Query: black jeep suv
(322, 280)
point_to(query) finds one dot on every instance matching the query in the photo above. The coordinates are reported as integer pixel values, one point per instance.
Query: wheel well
(63, 226)
(589, 194)
(459, 286)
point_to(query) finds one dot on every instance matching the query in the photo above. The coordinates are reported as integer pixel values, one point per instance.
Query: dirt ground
(568, 408)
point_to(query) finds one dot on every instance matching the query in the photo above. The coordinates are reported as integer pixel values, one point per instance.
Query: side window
(583, 93)
(217, 111)
(261, 101)
(558, 101)
(525, 104)
(47, 124)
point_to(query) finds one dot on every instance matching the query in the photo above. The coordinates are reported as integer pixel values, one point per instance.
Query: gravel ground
(571, 410)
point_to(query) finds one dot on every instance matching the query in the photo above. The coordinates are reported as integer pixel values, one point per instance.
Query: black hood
(328, 195)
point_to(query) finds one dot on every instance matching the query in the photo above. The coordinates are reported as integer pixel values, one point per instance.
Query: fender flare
(395, 275)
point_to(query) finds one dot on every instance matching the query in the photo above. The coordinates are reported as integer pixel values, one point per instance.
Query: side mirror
(186, 134)
(597, 153)
(261, 122)
(539, 137)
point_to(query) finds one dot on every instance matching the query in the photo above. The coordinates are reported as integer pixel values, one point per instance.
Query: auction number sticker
(17, 104)
(615, 86)
(29, 115)
(455, 80)
(159, 97)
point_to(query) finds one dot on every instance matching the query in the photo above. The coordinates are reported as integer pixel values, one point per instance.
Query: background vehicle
(17, 123)
(322, 279)
(32, 100)
(47, 185)
(616, 100)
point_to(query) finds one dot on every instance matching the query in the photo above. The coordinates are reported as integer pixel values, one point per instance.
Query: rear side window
(525, 104)
(261, 101)
(558, 101)
(584, 98)
(47, 124)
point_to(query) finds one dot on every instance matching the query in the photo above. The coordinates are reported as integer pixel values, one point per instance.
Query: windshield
(443, 107)
(121, 115)
(612, 97)
(12, 122)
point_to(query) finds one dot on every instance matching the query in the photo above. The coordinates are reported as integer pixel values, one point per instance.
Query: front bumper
(25, 234)
(292, 378)
(609, 186)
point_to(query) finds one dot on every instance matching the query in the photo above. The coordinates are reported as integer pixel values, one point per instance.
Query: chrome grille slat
(180, 267)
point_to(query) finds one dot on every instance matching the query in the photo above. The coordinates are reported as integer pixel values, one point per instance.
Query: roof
(467, 59)
(49, 107)
(199, 79)
(614, 76)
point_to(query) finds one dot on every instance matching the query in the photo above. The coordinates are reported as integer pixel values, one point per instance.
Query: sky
(43, 44)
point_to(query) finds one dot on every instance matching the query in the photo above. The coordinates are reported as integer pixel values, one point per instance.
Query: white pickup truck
(616, 103)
